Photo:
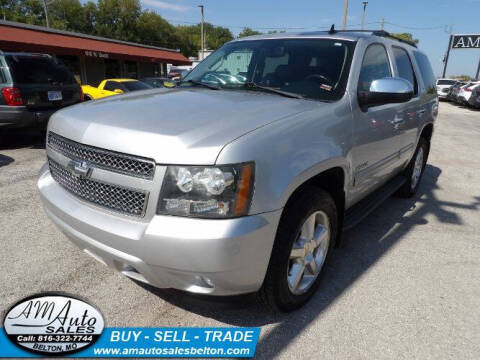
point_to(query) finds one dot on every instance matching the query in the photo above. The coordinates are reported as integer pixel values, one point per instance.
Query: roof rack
(381, 33)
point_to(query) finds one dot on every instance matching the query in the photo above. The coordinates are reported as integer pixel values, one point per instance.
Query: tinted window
(136, 85)
(445, 82)
(375, 66)
(313, 68)
(404, 66)
(3, 78)
(38, 70)
(426, 71)
(112, 85)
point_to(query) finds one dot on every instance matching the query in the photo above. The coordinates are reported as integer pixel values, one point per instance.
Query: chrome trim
(112, 161)
(81, 188)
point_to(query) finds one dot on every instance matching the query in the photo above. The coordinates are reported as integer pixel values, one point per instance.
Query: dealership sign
(466, 42)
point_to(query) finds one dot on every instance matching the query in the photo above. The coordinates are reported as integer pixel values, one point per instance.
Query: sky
(429, 20)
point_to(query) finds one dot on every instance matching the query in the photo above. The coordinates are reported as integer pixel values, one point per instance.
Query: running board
(362, 209)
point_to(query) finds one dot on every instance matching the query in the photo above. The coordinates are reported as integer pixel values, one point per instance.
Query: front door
(377, 130)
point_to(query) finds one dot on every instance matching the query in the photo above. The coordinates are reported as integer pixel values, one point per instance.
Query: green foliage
(462, 77)
(116, 19)
(406, 36)
(248, 32)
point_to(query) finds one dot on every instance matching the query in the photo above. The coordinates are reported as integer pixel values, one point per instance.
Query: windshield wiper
(195, 82)
(252, 85)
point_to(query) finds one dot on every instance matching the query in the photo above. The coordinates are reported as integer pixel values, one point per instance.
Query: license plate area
(55, 95)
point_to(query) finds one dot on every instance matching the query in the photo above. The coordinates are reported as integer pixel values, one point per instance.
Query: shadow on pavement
(360, 249)
(5, 160)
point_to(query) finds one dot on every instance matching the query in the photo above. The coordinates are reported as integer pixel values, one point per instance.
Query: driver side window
(375, 66)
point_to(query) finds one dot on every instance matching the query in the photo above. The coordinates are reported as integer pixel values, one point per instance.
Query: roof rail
(381, 33)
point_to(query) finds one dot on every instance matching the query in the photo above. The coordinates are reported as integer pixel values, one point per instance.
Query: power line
(416, 28)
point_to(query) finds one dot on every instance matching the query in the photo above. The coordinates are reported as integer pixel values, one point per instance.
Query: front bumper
(217, 257)
(21, 116)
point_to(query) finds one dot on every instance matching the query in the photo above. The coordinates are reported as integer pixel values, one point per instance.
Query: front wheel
(304, 240)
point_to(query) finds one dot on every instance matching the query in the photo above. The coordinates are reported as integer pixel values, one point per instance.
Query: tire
(278, 290)
(411, 185)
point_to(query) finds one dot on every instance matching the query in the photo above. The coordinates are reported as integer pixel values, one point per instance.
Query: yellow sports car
(110, 87)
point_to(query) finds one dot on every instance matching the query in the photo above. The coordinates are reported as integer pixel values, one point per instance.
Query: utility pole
(345, 12)
(382, 24)
(365, 3)
(202, 36)
(46, 12)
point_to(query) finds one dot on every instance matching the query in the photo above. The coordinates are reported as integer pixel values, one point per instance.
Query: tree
(248, 32)
(64, 14)
(117, 19)
(406, 37)
(190, 37)
(152, 29)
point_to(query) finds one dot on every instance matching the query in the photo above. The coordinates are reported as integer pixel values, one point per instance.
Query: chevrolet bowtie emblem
(80, 169)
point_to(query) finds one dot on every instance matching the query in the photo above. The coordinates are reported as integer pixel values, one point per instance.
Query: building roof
(22, 37)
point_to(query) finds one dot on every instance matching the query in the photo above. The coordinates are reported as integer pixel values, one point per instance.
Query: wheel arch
(332, 180)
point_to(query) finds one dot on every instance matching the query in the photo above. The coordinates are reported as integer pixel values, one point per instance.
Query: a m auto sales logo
(53, 323)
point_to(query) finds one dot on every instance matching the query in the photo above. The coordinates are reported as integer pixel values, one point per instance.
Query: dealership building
(90, 58)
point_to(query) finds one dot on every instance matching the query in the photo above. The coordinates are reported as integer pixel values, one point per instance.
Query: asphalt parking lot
(405, 283)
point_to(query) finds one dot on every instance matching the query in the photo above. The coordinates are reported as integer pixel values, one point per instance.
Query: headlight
(207, 191)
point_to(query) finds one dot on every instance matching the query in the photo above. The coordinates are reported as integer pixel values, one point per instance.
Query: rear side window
(113, 85)
(404, 66)
(136, 85)
(426, 71)
(375, 66)
(38, 70)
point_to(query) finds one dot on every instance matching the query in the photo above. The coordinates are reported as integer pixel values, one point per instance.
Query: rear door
(408, 113)
(43, 82)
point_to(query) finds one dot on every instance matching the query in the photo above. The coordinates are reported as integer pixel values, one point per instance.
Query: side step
(360, 211)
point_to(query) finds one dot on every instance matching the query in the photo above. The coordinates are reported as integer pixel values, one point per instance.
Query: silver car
(243, 177)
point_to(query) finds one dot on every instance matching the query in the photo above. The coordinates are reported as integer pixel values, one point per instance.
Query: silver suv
(242, 178)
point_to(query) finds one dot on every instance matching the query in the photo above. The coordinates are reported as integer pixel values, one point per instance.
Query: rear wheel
(304, 240)
(414, 170)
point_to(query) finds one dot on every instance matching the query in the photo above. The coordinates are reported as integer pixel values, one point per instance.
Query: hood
(179, 126)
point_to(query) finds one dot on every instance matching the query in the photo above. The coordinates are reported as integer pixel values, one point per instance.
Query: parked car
(32, 88)
(159, 82)
(474, 100)
(111, 87)
(176, 73)
(443, 87)
(453, 92)
(225, 188)
(465, 92)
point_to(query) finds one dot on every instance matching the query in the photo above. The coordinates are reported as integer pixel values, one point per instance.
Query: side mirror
(118, 91)
(386, 91)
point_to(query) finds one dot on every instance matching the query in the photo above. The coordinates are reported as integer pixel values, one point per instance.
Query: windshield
(38, 70)
(312, 68)
(446, 82)
(136, 85)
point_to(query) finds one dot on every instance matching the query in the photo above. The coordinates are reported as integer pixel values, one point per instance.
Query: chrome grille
(113, 197)
(105, 159)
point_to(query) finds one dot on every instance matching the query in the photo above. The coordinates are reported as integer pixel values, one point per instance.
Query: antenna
(332, 30)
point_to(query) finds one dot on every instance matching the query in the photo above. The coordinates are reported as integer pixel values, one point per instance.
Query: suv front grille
(105, 159)
(113, 197)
